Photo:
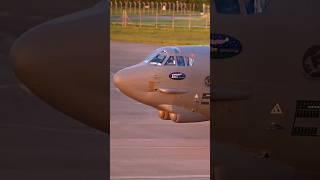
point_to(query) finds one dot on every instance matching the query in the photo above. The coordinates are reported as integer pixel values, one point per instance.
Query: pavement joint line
(160, 147)
(160, 177)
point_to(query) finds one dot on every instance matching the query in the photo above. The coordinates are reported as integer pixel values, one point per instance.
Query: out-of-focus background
(166, 22)
(36, 141)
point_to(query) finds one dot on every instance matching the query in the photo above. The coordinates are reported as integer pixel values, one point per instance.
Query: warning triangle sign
(276, 109)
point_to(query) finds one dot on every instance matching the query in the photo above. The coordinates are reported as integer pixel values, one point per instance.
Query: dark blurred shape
(18, 16)
(64, 62)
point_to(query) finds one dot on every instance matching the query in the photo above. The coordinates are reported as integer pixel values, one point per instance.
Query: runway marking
(162, 177)
(159, 147)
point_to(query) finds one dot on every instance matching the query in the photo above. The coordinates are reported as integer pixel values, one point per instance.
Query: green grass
(160, 36)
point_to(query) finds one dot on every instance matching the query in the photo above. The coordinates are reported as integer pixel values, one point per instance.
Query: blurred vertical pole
(121, 10)
(157, 6)
(143, 7)
(122, 19)
(193, 8)
(140, 19)
(190, 21)
(156, 20)
(173, 20)
(139, 12)
(116, 7)
(206, 20)
(125, 13)
(209, 16)
(177, 7)
(130, 7)
(152, 7)
(126, 18)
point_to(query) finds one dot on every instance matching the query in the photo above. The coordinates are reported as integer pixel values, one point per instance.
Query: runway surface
(144, 146)
(37, 142)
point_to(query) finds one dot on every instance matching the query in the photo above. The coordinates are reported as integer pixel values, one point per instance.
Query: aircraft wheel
(164, 115)
(173, 117)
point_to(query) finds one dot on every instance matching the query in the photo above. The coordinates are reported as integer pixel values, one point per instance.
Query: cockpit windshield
(150, 57)
(171, 61)
(165, 58)
(156, 58)
(179, 61)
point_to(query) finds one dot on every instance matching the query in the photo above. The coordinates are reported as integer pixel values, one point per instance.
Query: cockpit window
(189, 61)
(171, 61)
(180, 61)
(150, 57)
(159, 58)
(256, 6)
(227, 6)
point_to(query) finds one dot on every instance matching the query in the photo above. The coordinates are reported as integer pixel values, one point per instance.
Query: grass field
(161, 36)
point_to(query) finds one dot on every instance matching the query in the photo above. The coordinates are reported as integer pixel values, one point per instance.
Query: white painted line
(162, 177)
(158, 147)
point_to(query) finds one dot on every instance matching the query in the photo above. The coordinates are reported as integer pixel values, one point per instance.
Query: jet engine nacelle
(179, 114)
(186, 117)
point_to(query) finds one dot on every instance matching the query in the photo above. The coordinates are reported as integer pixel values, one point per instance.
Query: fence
(160, 14)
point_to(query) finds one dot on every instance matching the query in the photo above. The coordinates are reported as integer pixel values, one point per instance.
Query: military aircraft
(175, 80)
(265, 60)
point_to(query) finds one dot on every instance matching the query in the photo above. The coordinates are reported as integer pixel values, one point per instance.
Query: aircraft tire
(164, 115)
(173, 117)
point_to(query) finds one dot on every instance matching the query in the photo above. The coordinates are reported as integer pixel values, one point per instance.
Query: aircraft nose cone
(63, 62)
(24, 57)
(118, 79)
